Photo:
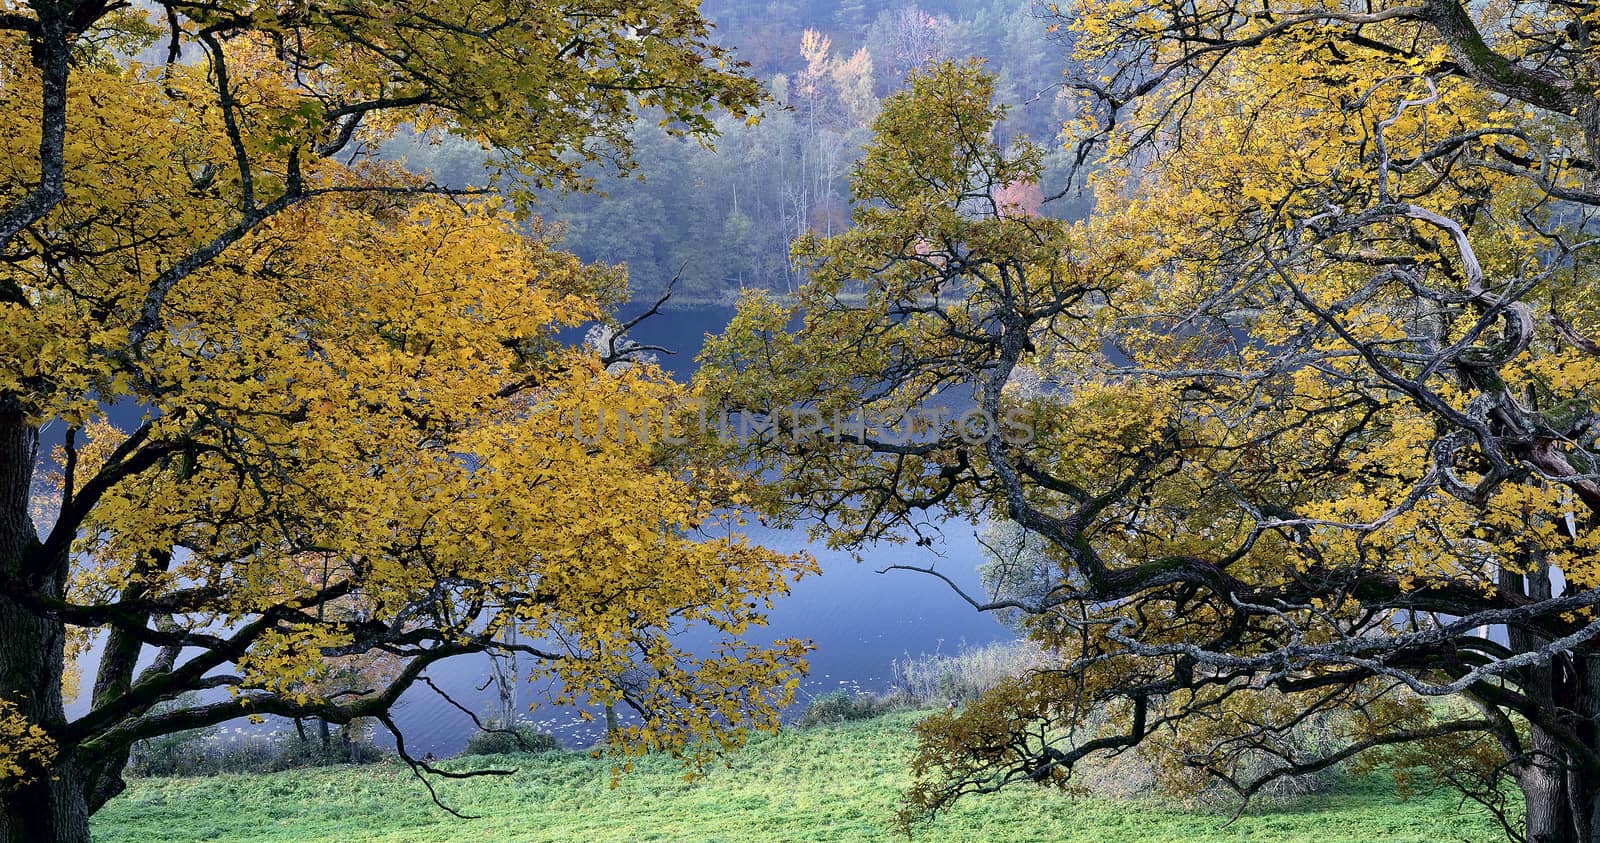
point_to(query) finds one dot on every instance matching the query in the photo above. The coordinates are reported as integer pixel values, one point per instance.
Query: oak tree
(353, 413)
(1302, 418)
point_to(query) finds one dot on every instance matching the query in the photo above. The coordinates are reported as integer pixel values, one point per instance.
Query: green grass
(830, 784)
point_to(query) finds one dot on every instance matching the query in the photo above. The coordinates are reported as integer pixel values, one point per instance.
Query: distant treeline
(722, 220)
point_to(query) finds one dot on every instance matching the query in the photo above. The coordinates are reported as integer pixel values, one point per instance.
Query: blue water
(861, 621)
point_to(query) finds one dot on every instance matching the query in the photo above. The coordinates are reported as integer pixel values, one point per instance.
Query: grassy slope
(834, 784)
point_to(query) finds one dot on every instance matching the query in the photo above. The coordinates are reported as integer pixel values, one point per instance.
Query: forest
(719, 220)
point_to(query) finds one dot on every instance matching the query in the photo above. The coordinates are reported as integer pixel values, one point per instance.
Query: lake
(860, 620)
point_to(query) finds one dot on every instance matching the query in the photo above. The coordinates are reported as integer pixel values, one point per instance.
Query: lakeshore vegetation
(830, 783)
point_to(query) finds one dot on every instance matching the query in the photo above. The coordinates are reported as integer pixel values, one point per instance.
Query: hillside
(829, 784)
(721, 219)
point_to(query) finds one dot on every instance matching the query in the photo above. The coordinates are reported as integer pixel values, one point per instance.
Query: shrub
(1157, 766)
(177, 754)
(936, 680)
(845, 707)
(940, 680)
(931, 680)
(503, 742)
(207, 752)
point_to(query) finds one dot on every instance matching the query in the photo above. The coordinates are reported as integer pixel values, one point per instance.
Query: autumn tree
(1301, 421)
(328, 357)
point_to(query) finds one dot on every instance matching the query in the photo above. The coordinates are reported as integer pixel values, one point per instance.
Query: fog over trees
(721, 219)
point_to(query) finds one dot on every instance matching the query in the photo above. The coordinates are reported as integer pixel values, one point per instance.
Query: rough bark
(1583, 788)
(1549, 817)
(118, 659)
(1561, 798)
(1561, 794)
(52, 56)
(51, 809)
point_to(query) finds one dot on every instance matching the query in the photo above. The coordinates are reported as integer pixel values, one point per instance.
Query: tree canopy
(356, 420)
(1302, 417)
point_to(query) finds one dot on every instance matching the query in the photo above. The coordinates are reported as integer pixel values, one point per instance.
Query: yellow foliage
(355, 445)
(1300, 387)
(25, 748)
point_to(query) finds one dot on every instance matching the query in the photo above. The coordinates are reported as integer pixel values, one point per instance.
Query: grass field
(829, 784)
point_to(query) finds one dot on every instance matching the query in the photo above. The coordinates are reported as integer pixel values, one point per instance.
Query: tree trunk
(613, 725)
(1583, 784)
(1561, 793)
(52, 808)
(1550, 817)
(1562, 800)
